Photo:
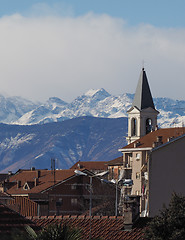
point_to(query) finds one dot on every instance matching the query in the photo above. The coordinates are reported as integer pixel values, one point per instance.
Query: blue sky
(64, 48)
(162, 13)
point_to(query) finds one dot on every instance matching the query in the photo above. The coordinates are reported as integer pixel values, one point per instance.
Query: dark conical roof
(143, 97)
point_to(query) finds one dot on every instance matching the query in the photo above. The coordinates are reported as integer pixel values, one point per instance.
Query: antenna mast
(53, 169)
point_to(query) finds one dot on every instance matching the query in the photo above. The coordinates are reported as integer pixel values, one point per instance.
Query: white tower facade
(142, 116)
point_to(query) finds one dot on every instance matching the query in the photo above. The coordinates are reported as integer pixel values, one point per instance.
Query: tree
(58, 232)
(52, 232)
(170, 224)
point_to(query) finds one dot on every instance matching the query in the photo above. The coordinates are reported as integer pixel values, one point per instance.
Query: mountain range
(96, 103)
(91, 127)
(83, 138)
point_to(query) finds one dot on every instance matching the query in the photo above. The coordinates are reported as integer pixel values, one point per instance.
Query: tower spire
(143, 97)
(142, 116)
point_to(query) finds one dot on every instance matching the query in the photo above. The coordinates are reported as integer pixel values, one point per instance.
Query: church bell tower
(142, 116)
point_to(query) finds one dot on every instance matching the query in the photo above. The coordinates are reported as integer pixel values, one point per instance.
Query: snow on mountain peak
(93, 92)
(56, 100)
(95, 102)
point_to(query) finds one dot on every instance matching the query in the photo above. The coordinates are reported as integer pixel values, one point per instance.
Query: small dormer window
(26, 186)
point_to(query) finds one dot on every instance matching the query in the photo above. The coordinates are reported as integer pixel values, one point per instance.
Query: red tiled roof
(116, 161)
(101, 227)
(3, 176)
(45, 180)
(90, 165)
(9, 220)
(149, 139)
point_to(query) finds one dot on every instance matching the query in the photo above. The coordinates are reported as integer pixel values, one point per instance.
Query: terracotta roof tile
(116, 161)
(3, 176)
(149, 139)
(9, 220)
(90, 165)
(101, 227)
(45, 180)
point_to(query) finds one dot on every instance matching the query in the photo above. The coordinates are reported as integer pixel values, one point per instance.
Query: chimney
(9, 173)
(36, 181)
(154, 144)
(18, 184)
(170, 138)
(158, 142)
(137, 144)
(131, 211)
(160, 139)
(2, 187)
(38, 174)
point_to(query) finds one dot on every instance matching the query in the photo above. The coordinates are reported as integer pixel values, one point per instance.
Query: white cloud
(48, 56)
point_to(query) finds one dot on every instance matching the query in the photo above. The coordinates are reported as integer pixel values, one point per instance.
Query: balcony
(127, 166)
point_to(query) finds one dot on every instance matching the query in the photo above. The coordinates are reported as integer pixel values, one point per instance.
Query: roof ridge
(76, 217)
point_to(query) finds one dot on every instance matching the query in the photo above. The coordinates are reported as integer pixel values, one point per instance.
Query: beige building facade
(154, 159)
(156, 166)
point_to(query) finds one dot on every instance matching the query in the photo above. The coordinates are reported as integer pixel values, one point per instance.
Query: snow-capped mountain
(84, 138)
(12, 108)
(93, 129)
(97, 103)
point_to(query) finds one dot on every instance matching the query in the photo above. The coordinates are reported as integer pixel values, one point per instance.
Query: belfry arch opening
(134, 127)
(148, 125)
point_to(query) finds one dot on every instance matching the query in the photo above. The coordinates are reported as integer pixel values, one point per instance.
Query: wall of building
(166, 174)
(73, 196)
(136, 173)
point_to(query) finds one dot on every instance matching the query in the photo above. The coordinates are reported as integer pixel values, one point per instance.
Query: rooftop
(164, 134)
(9, 220)
(91, 165)
(116, 161)
(101, 227)
(44, 179)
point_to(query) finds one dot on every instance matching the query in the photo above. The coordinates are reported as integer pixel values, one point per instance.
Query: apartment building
(149, 157)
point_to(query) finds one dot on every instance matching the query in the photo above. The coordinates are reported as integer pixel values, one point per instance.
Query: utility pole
(54, 180)
(53, 169)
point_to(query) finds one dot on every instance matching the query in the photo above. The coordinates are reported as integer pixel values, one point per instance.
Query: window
(137, 156)
(26, 186)
(133, 127)
(59, 202)
(118, 173)
(138, 175)
(112, 172)
(74, 186)
(74, 201)
(148, 125)
(137, 192)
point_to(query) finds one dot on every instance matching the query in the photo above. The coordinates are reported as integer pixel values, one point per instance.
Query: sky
(63, 48)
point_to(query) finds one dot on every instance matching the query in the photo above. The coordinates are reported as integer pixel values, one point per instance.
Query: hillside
(84, 138)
